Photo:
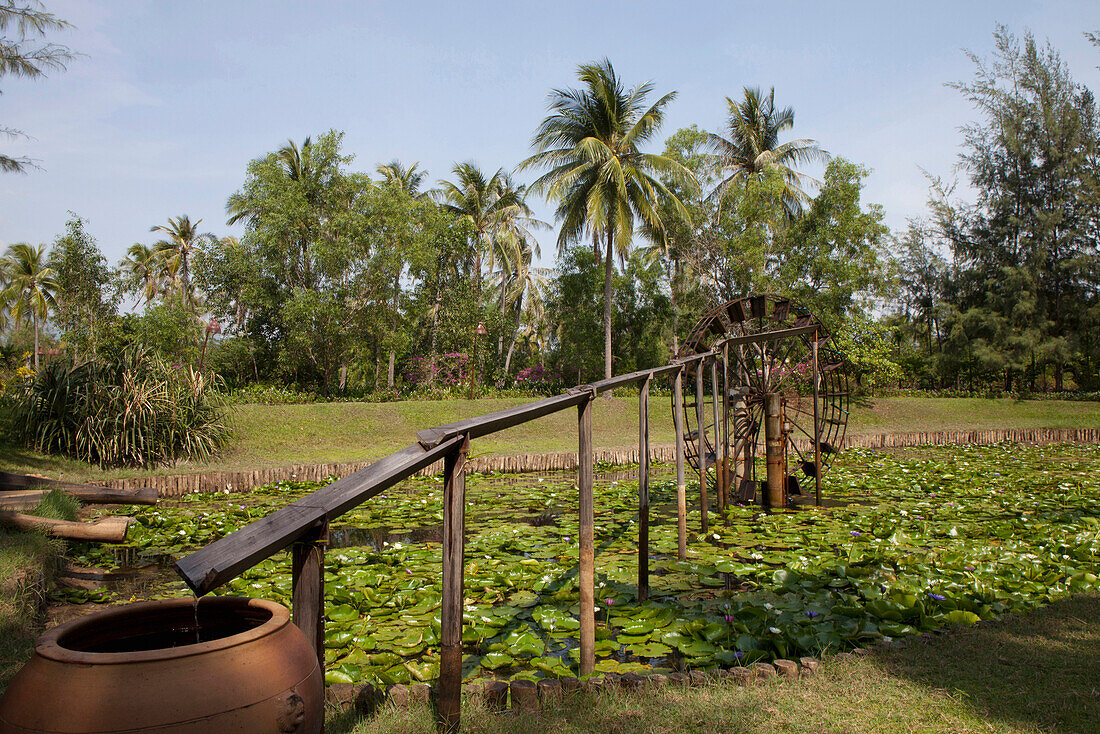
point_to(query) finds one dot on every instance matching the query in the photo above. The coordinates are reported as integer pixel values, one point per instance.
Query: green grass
(1038, 672)
(278, 435)
(27, 562)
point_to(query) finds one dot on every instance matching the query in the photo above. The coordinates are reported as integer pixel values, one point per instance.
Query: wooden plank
(210, 567)
(586, 572)
(643, 491)
(717, 428)
(681, 486)
(308, 587)
(449, 700)
(632, 377)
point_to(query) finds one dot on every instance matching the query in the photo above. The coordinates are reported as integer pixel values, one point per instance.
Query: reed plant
(134, 410)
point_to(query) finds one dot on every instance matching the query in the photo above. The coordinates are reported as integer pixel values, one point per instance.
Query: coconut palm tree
(408, 179)
(753, 148)
(144, 271)
(488, 204)
(30, 286)
(178, 248)
(604, 185)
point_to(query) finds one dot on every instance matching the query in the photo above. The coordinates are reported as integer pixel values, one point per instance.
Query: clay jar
(139, 668)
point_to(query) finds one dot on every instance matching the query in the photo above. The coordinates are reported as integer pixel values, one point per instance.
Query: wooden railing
(303, 524)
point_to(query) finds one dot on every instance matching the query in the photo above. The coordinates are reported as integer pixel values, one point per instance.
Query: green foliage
(86, 297)
(135, 410)
(57, 505)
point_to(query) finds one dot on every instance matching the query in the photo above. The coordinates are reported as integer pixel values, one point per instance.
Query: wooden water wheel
(761, 398)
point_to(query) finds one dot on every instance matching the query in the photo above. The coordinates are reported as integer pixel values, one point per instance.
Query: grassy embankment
(1038, 672)
(278, 435)
(27, 564)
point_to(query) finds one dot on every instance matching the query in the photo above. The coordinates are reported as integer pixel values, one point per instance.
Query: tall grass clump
(133, 410)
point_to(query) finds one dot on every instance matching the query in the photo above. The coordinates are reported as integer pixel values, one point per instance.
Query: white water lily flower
(774, 630)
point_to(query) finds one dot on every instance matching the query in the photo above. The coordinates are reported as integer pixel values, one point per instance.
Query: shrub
(135, 410)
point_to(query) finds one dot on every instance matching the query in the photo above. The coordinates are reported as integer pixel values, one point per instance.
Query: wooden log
(681, 486)
(20, 498)
(586, 532)
(643, 491)
(308, 587)
(111, 529)
(88, 493)
(449, 703)
(717, 427)
(496, 695)
(525, 696)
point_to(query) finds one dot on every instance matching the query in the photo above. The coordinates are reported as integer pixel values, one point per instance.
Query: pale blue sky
(172, 99)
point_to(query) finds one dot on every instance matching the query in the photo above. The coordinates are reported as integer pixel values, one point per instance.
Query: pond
(952, 536)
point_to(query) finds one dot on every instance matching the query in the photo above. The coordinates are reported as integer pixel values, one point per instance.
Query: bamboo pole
(643, 490)
(449, 703)
(586, 531)
(700, 439)
(681, 486)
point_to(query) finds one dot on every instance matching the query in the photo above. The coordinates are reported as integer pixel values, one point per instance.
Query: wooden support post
(817, 430)
(586, 531)
(643, 490)
(727, 473)
(681, 487)
(775, 491)
(308, 587)
(449, 699)
(719, 466)
(702, 445)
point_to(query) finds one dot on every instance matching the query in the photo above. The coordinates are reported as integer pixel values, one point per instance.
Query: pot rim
(48, 645)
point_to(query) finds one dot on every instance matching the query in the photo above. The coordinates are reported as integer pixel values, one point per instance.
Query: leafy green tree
(833, 258)
(604, 185)
(1026, 249)
(24, 53)
(406, 178)
(31, 287)
(754, 126)
(86, 297)
(144, 273)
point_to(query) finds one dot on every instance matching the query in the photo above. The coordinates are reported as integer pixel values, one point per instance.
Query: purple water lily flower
(738, 654)
(937, 597)
(855, 533)
(811, 613)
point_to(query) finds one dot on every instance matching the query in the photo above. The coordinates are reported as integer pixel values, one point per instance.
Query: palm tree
(177, 249)
(408, 179)
(488, 204)
(604, 185)
(31, 286)
(144, 271)
(753, 147)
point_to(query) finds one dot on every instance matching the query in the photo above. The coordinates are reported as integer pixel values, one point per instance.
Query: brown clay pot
(138, 668)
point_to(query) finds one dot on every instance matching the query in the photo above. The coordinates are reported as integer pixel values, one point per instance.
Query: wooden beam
(308, 587)
(12, 485)
(111, 529)
(643, 491)
(768, 336)
(718, 469)
(681, 486)
(817, 429)
(701, 443)
(586, 540)
(208, 568)
(449, 700)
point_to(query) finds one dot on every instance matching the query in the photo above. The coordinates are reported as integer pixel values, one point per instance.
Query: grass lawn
(1036, 672)
(278, 435)
(26, 563)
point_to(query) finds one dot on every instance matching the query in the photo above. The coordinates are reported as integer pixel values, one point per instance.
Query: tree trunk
(607, 272)
(389, 374)
(34, 317)
(675, 307)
